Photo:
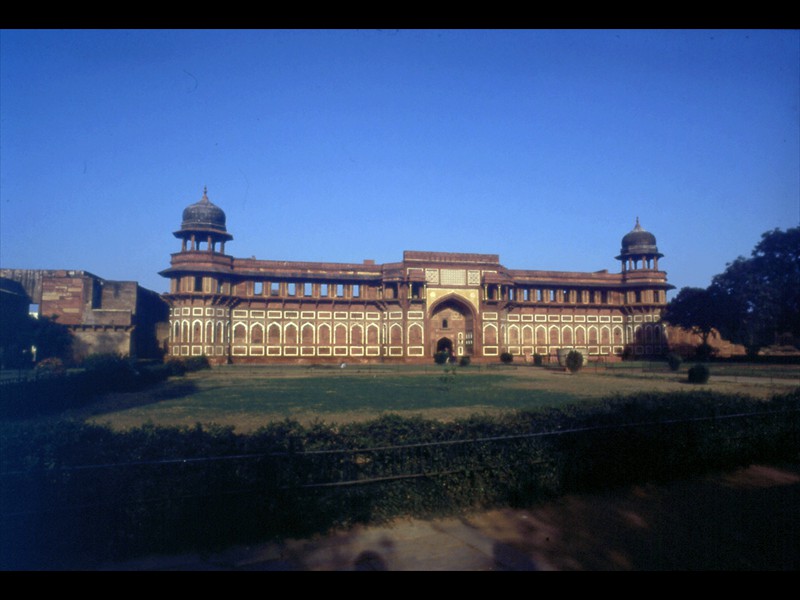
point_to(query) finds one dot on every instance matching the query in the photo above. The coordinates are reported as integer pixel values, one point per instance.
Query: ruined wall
(103, 316)
(684, 342)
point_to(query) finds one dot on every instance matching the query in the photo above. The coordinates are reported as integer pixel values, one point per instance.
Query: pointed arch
(274, 336)
(307, 334)
(340, 334)
(415, 334)
(290, 334)
(396, 335)
(256, 333)
(197, 332)
(356, 334)
(489, 334)
(240, 333)
(373, 334)
(324, 335)
(541, 335)
(527, 334)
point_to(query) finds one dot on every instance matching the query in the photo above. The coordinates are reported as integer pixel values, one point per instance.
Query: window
(444, 323)
(340, 290)
(356, 290)
(323, 290)
(292, 289)
(274, 288)
(307, 289)
(258, 288)
(198, 284)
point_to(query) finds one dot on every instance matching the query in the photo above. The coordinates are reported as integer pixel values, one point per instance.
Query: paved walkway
(744, 520)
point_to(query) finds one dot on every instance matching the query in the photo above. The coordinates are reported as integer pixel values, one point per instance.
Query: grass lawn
(248, 397)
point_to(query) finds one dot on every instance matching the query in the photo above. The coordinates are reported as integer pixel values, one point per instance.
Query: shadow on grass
(115, 402)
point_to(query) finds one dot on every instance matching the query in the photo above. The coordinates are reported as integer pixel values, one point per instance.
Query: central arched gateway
(452, 326)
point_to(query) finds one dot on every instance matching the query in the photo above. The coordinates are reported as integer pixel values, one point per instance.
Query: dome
(203, 215)
(638, 241)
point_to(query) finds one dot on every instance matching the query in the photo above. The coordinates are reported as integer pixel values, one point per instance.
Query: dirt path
(748, 519)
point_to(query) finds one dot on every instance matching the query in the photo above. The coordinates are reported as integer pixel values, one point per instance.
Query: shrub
(107, 363)
(465, 360)
(50, 367)
(574, 361)
(674, 361)
(506, 358)
(441, 357)
(107, 372)
(197, 363)
(175, 366)
(699, 374)
(537, 360)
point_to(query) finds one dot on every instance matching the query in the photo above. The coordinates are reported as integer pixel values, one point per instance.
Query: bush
(50, 367)
(107, 372)
(674, 361)
(110, 514)
(176, 367)
(699, 374)
(574, 361)
(465, 360)
(506, 358)
(537, 360)
(197, 363)
(441, 357)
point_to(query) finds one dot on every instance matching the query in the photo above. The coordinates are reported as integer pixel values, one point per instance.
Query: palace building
(244, 310)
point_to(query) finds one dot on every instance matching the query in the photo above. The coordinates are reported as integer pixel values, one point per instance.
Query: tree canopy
(692, 309)
(754, 302)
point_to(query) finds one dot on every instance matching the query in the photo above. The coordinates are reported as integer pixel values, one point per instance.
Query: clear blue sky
(542, 146)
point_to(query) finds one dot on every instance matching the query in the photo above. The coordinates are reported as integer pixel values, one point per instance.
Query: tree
(574, 361)
(757, 299)
(693, 309)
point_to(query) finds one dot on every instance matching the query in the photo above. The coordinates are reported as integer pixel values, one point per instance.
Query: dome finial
(637, 227)
(205, 194)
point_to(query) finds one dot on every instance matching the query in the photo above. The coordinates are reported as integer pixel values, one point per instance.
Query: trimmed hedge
(699, 374)
(70, 489)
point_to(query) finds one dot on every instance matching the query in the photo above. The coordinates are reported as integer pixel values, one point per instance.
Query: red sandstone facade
(103, 316)
(260, 311)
